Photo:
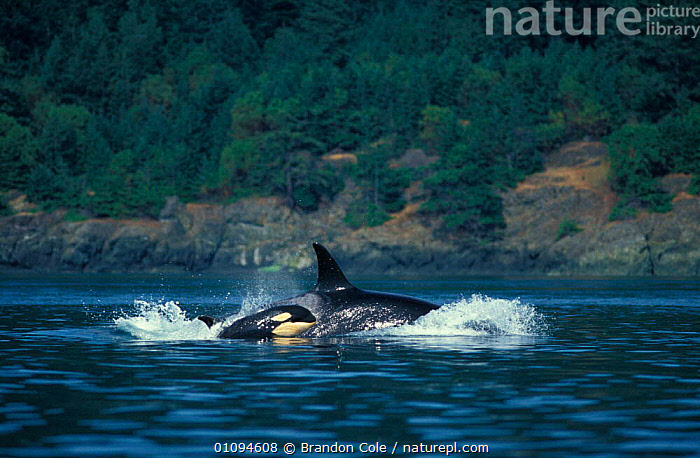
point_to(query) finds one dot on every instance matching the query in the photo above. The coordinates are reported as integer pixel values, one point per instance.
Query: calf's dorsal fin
(330, 277)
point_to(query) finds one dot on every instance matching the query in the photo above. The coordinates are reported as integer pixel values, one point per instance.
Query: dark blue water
(106, 365)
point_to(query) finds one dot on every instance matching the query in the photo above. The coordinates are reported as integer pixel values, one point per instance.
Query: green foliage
(550, 134)
(362, 213)
(438, 128)
(473, 209)
(583, 114)
(272, 153)
(621, 211)
(568, 227)
(240, 162)
(62, 138)
(638, 155)
(52, 187)
(308, 184)
(248, 116)
(107, 108)
(18, 150)
(381, 187)
(130, 187)
(694, 187)
(461, 191)
(74, 216)
(5, 209)
(681, 140)
(485, 154)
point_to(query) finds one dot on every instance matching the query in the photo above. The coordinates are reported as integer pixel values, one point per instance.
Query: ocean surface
(98, 365)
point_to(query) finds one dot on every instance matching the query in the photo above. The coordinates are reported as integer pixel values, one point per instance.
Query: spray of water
(158, 320)
(252, 303)
(479, 315)
(164, 321)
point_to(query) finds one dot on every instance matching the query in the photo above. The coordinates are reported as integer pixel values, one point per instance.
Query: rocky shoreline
(261, 233)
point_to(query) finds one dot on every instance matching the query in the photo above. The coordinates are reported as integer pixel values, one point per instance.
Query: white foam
(479, 315)
(253, 303)
(158, 321)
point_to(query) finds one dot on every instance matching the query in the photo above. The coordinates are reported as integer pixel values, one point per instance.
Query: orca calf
(337, 306)
(281, 321)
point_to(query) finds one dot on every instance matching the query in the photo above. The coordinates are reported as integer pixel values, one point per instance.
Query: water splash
(158, 320)
(252, 303)
(479, 315)
(164, 321)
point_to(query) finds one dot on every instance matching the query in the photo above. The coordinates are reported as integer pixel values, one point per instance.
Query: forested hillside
(106, 107)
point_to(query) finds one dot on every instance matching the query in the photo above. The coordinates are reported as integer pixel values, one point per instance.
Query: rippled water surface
(106, 365)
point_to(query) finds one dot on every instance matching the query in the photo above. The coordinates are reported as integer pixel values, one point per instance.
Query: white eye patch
(291, 329)
(282, 317)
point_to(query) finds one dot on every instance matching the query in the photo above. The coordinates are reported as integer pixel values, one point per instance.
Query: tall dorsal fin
(330, 277)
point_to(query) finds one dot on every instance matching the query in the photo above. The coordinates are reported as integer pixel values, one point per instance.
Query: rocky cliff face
(574, 187)
(262, 233)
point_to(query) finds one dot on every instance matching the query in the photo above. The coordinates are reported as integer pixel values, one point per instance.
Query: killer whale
(340, 308)
(278, 321)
